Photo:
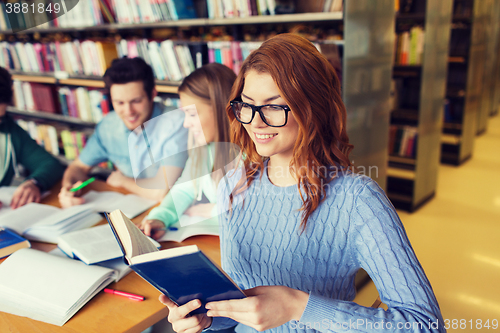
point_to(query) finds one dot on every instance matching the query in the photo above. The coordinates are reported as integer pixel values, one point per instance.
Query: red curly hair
(309, 85)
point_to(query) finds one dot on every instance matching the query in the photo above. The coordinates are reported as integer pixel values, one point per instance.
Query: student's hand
(25, 193)
(152, 228)
(68, 199)
(204, 210)
(265, 307)
(178, 316)
(116, 179)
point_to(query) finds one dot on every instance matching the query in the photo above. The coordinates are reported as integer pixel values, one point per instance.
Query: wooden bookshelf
(412, 181)
(494, 66)
(199, 22)
(495, 87)
(466, 92)
(51, 117)
(35, 78)
(86, 81)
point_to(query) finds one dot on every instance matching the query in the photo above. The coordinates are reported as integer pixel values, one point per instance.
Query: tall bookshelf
(417, 108)
(466, 72)
(366, 64)
(495, 85)
(489, 8)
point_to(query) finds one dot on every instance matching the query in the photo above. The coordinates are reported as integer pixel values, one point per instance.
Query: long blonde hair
(212, 83)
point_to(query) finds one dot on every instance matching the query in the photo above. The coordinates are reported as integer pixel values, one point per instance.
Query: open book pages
(182, 273)
(106, 201)
(164, 254)
(133, 242)
(118, 264)
(48, 288)
(45, 223)
(189, 226)
(93, 245)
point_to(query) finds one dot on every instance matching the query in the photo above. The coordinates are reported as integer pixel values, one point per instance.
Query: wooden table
(105, 312)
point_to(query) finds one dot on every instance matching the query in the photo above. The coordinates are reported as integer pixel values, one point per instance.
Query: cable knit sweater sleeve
(378, 243)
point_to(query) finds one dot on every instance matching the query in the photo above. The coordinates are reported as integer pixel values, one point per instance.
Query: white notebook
(49, 288)
(45, 223)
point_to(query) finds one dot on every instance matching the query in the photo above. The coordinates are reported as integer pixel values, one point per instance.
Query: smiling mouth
(264, 136)
(133, 119)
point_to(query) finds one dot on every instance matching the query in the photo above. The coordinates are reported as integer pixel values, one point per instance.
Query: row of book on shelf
(52, 138)
(86, 13)
(453, 111)
(403, 141)
(410, 46)
(87, 104)
(90, 58)
(170, 60)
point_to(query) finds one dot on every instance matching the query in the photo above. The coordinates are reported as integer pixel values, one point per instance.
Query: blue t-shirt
(139, 153)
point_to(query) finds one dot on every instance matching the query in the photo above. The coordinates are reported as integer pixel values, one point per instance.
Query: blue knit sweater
(354, 227)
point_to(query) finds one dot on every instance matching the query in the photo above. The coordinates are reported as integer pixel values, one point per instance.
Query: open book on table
(189, 226)
(182, 273)
(93, 245)
(47, 287)
(45, 223)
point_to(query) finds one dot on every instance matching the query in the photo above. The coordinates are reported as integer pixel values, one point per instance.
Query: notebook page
(24, 217)
(93, 244)
(40, 282)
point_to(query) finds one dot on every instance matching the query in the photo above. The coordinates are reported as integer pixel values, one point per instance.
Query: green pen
(82, 185)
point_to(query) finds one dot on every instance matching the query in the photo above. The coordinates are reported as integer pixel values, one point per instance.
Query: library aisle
(456, 237)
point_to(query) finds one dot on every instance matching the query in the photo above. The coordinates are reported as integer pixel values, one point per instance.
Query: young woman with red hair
(300, 222)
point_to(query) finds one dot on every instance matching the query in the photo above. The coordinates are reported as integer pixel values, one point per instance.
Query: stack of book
(45, 135)
(34, 97)
(148, 11)
(90, 105)
(77, 57)
(410, 46)
(170, 61)
(73, 143)
(231, 53)
(403, 141)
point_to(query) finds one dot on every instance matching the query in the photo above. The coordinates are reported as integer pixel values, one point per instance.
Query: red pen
(122, 293)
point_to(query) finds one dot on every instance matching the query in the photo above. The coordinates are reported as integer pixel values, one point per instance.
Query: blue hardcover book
(183, 9)
(10, 242)
(182, 273)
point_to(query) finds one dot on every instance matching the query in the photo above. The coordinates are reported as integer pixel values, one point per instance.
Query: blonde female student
(204, 95)
(301, 223)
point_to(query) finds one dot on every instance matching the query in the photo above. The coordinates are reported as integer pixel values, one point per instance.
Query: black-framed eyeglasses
(271, 114)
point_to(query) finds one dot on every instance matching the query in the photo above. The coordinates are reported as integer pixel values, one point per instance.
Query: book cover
(182, 273)
(10, 242)
(184, 9)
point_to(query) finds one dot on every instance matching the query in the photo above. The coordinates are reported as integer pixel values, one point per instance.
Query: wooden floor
(456, 236)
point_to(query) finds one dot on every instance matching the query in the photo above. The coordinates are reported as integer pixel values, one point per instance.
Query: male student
(120, 138)
(17, 147)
